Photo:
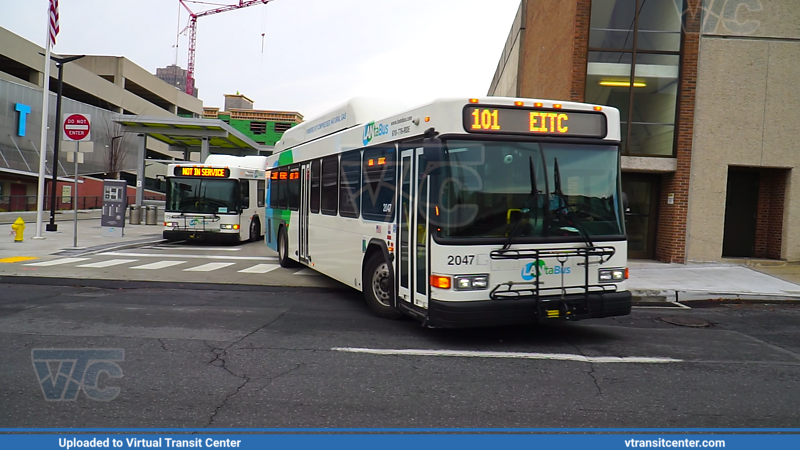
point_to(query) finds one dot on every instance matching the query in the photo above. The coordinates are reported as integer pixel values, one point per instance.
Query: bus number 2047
(458, 260)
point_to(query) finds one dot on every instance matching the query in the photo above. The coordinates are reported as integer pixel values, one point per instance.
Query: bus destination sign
(503, 120)
(203, 172)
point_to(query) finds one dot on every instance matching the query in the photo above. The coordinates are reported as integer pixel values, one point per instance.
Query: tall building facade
(175, 76)
(102, 87)
(705, 89)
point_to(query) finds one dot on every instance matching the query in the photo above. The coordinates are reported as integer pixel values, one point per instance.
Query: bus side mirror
(625, 207)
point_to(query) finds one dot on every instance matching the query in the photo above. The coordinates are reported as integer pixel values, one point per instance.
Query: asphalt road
(226, 356)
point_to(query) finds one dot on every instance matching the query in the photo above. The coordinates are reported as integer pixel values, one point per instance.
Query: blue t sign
(24, 110)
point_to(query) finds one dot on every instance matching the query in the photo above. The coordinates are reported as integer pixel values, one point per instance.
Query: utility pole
(52, 226)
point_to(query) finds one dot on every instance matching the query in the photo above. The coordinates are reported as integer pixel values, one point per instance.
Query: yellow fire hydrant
(18, 227)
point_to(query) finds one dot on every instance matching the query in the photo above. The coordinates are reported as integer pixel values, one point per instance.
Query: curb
(673, 296)
(110, 247)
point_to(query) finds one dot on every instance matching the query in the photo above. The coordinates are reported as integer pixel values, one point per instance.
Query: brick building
(706, 91)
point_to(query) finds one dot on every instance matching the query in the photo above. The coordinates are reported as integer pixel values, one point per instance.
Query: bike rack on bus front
(203, 220)
(533, 290)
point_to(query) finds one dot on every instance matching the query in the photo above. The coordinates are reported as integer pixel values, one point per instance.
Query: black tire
(255, 230)
(283, 250)
(378, 288)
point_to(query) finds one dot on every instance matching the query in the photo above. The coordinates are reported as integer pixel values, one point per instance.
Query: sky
(316, 54)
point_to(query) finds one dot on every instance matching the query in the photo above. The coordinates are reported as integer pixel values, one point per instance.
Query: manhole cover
(686, 321)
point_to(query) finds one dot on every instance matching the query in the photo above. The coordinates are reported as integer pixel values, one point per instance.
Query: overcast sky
(316, 53)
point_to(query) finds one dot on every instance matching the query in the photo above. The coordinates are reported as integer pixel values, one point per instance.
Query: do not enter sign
(77, 127)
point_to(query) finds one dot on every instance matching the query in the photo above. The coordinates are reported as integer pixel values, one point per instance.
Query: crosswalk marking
(208, 267)
(159, 265)
(57, 262)
(166, 255)
(306, 272)
(109, 263)
(260, 268)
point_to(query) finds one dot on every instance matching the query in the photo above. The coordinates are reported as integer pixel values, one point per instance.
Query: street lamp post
(52, 226)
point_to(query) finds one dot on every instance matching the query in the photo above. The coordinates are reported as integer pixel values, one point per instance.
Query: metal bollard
(136, 215)
(151, 215)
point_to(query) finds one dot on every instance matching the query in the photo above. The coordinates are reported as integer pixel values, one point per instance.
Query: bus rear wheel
(378, 288)
(283, 250)
(255, 230)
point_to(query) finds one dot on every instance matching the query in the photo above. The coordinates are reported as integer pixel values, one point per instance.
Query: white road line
(260, 268)
(513, 355)
(159, 265)
(56, 262)
(306, 272)
(109, 263)
(168, 255)
(210, 249)
(208, 267)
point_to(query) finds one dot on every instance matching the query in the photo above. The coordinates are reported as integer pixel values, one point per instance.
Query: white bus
(461, 212)
(220, 200)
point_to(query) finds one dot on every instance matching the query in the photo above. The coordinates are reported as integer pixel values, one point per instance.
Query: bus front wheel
(378, 288)
(283, 250)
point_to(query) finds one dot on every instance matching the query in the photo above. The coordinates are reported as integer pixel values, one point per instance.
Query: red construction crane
(193, 31)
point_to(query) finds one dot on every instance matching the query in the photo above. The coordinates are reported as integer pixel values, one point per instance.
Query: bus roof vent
(357, 111)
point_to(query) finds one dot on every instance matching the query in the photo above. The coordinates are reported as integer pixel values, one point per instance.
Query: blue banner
(401, 440)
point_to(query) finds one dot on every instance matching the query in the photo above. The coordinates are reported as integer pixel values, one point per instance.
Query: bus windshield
(487, 191)
(196, 195)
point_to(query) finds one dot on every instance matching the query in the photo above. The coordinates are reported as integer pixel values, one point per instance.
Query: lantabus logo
(528, 272)
(372, 131)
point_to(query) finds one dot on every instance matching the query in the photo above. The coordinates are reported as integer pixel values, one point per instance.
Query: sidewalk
(650, 281)
(656, 281)
(91, 237)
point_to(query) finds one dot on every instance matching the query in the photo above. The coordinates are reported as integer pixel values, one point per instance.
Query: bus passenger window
(261, 187)
(315, 186)
(293, 191)
(283, 181)
(377, 199)
(244, 194)
(330, 186)
(350, 184)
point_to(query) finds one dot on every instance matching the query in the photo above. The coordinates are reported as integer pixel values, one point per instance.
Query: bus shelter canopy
(189, 133)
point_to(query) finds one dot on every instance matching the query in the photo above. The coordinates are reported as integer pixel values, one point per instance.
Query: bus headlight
(471, 282)
(612, 275)
(225, 226)
(171, 224)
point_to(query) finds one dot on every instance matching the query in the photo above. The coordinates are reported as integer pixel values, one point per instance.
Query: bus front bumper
(183, 235)
(484, 313)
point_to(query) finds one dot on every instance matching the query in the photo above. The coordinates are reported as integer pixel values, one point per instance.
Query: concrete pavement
(650, 280)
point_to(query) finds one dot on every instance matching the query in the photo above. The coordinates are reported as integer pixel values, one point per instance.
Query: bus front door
(412, 265)
(305, 188)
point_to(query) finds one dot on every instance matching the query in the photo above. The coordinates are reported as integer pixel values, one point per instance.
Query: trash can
(136, 215)
(151, 215)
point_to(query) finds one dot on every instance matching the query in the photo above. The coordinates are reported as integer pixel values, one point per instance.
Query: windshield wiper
(525, 208)
(565, 205)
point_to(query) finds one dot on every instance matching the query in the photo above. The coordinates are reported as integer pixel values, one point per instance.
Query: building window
(634, 65)
(258, 127)
(281, 127)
